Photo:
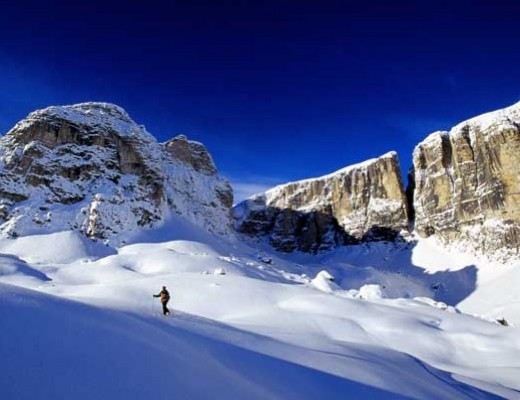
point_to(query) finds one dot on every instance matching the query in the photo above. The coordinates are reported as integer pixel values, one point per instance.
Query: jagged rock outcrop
(363, 202)
(191, 153)
(467, 184)
(90, 167)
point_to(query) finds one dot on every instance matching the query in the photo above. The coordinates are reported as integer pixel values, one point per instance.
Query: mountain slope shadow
(386, 262)
(150, 357)
(12, 265)
(380, 247)
(234, 348)
(289, 230)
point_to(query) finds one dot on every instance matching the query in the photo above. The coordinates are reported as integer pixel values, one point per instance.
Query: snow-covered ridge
(497, 119)
(343, 171)
(485, 121)
(105, 115)
(90, 167)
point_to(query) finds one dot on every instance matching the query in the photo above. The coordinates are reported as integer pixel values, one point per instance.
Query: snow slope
(245, 325)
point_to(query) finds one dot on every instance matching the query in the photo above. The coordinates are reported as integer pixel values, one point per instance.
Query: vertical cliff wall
(363, 202)
(467, 184)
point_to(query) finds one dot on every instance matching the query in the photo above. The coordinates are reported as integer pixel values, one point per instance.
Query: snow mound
(324, 281)
(437, 304)
(219, 271)
(371, 292)
(55, 248)
(15, 271)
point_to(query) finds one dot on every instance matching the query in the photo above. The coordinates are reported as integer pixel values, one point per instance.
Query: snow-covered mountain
(90, 167)
(377, 319)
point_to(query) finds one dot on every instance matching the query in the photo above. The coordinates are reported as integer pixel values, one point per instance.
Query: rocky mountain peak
(108, 118)
(91, 167)
(191, 153)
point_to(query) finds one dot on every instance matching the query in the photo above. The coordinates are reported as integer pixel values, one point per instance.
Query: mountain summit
(90, 167)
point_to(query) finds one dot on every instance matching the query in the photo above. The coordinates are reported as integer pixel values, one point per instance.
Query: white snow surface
(79, 321)
(365, 322)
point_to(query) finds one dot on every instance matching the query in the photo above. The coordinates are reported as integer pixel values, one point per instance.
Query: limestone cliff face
(90, 167)
(364, 202)
(467, 183)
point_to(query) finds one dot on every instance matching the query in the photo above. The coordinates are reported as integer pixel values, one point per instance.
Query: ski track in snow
(78, 320)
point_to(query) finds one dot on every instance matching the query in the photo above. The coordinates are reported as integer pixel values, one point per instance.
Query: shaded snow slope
(245, 325)
(84, 352)
(425, 269)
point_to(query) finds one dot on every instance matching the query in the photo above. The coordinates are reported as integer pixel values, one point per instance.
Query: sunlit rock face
(467, 184)
(191, 153)
(363, 202)
(90, 167)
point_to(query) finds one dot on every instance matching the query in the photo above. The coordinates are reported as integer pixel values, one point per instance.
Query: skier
(165, 298)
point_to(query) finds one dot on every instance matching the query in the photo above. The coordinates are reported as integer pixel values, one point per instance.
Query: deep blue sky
(277, 90)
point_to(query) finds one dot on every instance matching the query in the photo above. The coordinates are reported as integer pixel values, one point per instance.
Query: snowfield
(78, 320)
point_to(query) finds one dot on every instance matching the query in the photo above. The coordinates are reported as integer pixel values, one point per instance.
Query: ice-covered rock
(467, 184)
(219, 271)
(324, 281)
(371, 292)
(363, 202)
(90, 167)
(437, 304)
